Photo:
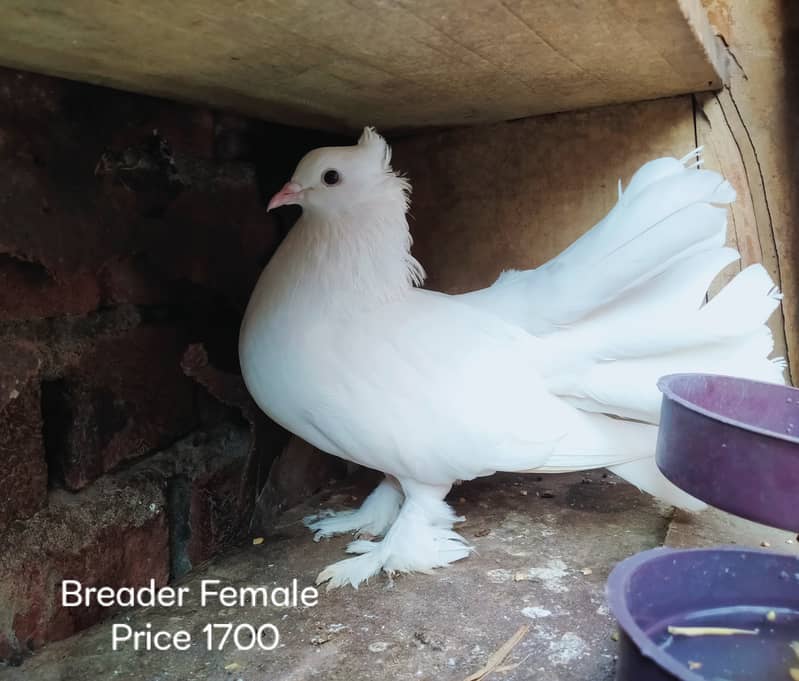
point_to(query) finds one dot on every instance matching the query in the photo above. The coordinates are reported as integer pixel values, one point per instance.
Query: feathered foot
(374, 517)
(420, 539)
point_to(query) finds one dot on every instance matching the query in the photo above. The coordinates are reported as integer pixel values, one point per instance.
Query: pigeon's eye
(331, 178)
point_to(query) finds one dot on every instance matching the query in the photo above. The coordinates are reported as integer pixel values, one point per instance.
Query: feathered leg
(374, 517)
(420, 539)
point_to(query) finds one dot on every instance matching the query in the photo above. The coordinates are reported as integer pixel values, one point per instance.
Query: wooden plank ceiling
(397, 64)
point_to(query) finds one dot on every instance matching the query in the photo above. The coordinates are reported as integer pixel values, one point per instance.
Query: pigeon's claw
(352, 571)
(420, 540)
(373, 518)
(330, 523)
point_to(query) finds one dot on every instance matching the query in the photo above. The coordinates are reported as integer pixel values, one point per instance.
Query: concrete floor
(544, 548)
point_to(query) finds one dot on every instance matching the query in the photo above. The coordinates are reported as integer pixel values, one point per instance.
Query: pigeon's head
(334, 179)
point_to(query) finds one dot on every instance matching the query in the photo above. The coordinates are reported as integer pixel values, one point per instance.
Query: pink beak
(288, 195)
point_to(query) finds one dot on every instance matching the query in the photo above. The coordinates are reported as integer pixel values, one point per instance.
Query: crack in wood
(766, 235)
(731, 54)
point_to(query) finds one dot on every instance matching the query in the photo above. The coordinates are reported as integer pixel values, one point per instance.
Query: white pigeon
(340, 346)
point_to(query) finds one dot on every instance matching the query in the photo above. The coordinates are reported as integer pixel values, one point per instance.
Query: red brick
(133, 280)
(278, 480)
(226, 387)
(74, 223)
(126, 397)
(28, 291)
(217, 517)
(23, 471)
(207, 509)
(297, 473)
(234, 137)
(188, 129)
(24, 95)
(54, 211)
(19, 365)
(112, 534)
(218, 235)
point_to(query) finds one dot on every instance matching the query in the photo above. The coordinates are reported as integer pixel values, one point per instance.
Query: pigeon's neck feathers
(360, 253)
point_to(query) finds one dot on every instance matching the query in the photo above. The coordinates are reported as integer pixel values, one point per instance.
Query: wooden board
(749, 131)
(398, 64)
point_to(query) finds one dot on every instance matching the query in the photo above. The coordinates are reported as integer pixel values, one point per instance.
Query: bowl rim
(664, 385)
(615, 595)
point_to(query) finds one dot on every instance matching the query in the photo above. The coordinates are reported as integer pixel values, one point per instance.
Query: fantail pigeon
(341, 347)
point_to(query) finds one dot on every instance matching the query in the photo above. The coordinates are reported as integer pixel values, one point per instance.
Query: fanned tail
(626, 303)
(644, 234)
(668, 212)
(611, 362)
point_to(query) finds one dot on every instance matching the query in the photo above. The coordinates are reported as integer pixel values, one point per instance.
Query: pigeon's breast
(279, 355)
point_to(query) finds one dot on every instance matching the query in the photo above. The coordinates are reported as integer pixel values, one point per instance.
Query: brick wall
(130, 228)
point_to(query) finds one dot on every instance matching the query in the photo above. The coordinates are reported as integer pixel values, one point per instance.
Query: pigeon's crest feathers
(374, 143)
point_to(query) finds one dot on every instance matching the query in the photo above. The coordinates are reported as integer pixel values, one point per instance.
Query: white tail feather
(625, 305)
(652, 317)
(646, 476)
(597, 441)
(626, 448)
(627, 387)
(667, 213)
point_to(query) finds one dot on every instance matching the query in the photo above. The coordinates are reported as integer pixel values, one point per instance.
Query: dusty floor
(544, 548)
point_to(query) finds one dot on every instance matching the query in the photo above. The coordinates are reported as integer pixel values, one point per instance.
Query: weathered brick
(297, 473)
(189, 129)
(28, 291)
(54, 209)
(29, 98)
(19, 364)
(264, 475)
(207, 511)
(235, 137)
(217, 518)
(165, 514)
(219, 234)
(112, 534)
(126, 397)
(133, 280)
(23, 471)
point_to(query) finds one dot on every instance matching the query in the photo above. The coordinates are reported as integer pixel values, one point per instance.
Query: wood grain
(397, 64)
(750, 129)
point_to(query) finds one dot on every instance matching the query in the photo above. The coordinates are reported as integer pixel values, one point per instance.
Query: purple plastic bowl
(724, 587)
(733, 443)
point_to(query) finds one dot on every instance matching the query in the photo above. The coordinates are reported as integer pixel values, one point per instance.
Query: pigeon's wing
(428, 388)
